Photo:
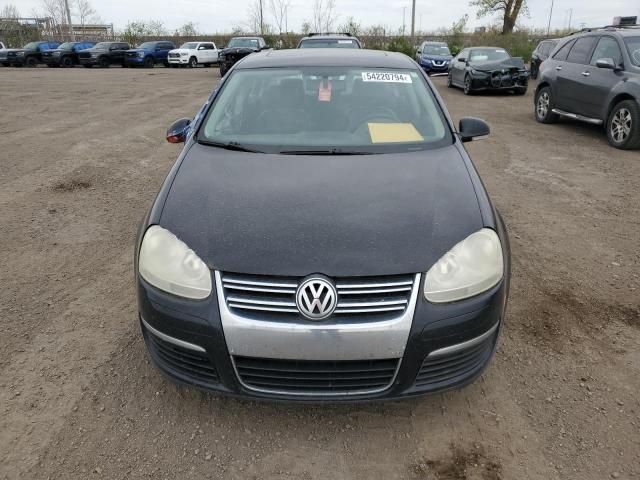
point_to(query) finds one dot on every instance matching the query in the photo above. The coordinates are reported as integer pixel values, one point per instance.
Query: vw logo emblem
(316, 298)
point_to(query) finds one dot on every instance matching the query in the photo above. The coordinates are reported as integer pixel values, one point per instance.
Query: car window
(607, 48)
(365, 110)
(243, 43)
(329, 43)
(479, 55)
(208, 46)
(546, 49)
(633, 46)
(189, 45)
(561, 54)
(435, 50)
(581, 50)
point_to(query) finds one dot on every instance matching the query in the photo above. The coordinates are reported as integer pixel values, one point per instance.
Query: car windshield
(102, 45)
(189, 45)
(633, 45)
(333, 110)
(67, 46)
(488, 55)
(328, 43)
(436, 50)
(31, 46)
(243, 42)
(147, 45)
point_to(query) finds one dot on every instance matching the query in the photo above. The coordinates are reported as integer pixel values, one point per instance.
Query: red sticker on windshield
(324, 93)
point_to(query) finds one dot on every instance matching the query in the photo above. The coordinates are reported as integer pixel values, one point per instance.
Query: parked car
(324, 235)
(594, 76)
(194, 54)
(540, 54)
(3, 55)
(238, 48)
(30, 55)
(2, 46)
(66, 55)
(487, 68)
(149, 53)
(434, 57)
(104, 54)
(329, 40)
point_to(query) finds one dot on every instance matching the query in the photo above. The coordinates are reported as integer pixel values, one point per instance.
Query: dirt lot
(81, 156)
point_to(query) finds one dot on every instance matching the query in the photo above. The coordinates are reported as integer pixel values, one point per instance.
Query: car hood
(136, 50)
(512, 63)
(181, 50)
(238, 51)
(337, 215)
(437, 57)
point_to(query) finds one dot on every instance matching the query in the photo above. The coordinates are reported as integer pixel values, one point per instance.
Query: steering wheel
(383, 115)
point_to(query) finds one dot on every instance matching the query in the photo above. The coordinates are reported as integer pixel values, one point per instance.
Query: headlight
(167, 263)
(471, 267)
(20, 54)
(184, 54)
(141, 54)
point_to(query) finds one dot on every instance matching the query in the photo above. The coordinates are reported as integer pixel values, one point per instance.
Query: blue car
(434, 57)
(148, 54)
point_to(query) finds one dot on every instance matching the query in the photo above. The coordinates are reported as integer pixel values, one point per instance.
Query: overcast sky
(213, 16)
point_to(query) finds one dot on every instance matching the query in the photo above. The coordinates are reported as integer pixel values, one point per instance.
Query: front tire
(103, 62)
(533, 71)
(468, 86)
(449, 80)
(67, 62)
(223, 71)
(623, 125)
(148, 62)
(544, 106)
(193, 62)
(520, 91)
(31, 62)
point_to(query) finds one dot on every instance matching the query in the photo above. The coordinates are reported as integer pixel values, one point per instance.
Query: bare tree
(55, 10)
(84, 11)
(324, 15)
(255, 18)
(156, 28)
(279, 11)
(508, 10)
(189, 29)
(10, 11)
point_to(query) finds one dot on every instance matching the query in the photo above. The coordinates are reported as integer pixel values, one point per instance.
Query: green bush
(402, 45)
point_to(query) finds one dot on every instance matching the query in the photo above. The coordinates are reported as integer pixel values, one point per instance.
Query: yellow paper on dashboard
(394, 133)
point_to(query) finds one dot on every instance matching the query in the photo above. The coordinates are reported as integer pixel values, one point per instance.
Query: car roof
(327, 57)
(432, 42)
(625, 31)
(330, 36)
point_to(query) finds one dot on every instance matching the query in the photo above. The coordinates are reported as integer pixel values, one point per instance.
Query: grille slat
(374, 297)
(453, 366)
(315, 377)
(193, 365)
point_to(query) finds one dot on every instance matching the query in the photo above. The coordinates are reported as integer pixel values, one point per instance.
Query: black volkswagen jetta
(323, 235)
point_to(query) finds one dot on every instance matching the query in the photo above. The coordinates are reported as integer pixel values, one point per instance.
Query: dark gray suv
(594, 76)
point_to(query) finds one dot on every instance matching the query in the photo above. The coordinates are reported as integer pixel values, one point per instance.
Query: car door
(458, 66)
(208, 53)
(600, 81)
(214, 53)
(575, 77)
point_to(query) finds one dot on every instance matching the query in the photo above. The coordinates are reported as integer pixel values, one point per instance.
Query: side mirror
(472, 128)
(419, 52)
(178, 131)
(607, 63)
(462, 60)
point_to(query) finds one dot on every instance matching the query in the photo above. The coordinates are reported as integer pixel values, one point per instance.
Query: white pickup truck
(194, 54)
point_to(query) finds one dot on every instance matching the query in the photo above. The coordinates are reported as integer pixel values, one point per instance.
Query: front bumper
(498, 81)
(52, 60)
(134, 61)
(432, 68)
(446, 347)
(182, 60)
(88, 61)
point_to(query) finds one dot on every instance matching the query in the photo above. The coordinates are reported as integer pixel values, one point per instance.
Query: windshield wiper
(238, 147)
(332, 151)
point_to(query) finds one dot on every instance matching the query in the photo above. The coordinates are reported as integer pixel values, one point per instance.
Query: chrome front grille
(384, 297)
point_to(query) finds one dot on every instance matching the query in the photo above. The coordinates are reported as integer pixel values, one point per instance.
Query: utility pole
(404, 13)
(413, 21)
(261, 20)
(550, 14)
(71, 32)
(570, 17)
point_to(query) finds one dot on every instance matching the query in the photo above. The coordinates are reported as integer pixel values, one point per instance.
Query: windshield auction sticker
(386, 77)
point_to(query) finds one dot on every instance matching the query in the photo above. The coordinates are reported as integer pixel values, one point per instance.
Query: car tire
(449, 80)
(623, 125)
(520, 91)
(103, 62)
(544, 106)
(468, 90)
(148, 62)
(533, 72)
(167, 64)
(193, 62)
(223, 71)
(86, 65)
(67, 62)
(31, 62)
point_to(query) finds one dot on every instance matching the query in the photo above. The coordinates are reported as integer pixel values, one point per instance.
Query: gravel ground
(82, 155)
